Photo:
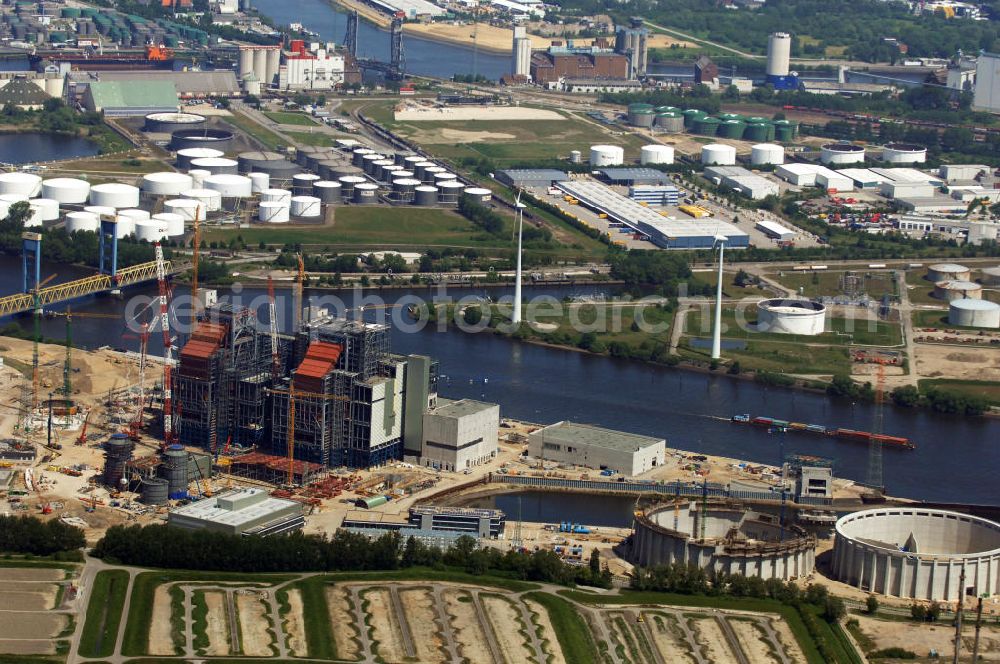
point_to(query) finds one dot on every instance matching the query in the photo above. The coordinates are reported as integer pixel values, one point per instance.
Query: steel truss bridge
(70, 290)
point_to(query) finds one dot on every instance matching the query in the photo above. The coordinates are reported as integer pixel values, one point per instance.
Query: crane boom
(161, 277)
(273, 317)
(299, 285)
(194, 268)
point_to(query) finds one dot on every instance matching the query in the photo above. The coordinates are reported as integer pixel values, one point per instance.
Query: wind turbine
(720, 241)
(516, 316)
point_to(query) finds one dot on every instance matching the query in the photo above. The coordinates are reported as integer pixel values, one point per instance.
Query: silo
(154, 490)
(260, 65)
(365, 193)
(425, 196)
(670, 121)
(175, 468)
(692, 114)
(117, 453)
(302, 183)
(449, 191)
(779, 51)
(403, 188)
(575, 157)
(732, 129)
(347, 184)
(706, 126)
(327, 191)
(246, 62)
(273, 64)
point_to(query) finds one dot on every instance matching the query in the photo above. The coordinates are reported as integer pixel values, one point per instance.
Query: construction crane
(82, 438)
(68, 364)
(36, 339)
(136, 424)
(297, 303)
(293, 394)
(161, 278)
(196, 245)
(273, 318)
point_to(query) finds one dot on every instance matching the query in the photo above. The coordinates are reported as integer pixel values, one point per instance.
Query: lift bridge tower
(396, 48)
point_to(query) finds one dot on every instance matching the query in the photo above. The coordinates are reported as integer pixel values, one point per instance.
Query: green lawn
(986, 389)
(781, 357)
(104, 612)
(571, 629)
(932, 318)
(841, 331)
(291, 118)
(267, 138)
(815, 284)
(311, 138)
(370, 227)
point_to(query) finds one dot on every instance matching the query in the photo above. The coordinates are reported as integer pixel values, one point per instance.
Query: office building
(594, 447)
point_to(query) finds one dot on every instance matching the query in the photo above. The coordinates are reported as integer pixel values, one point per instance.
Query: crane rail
(127, 276)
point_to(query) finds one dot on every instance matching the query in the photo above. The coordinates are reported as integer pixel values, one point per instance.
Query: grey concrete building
(457, 435)
(594, 447)
(248, 511)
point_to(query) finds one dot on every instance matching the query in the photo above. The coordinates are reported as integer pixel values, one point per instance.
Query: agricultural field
(32, 618)
(433, 617)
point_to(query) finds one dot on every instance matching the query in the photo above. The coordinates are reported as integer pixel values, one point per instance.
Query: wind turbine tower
(720, 241)
(516, 315)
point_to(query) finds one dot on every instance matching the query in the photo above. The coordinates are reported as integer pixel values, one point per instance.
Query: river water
(956, 458)
(422, 57)
(31, 148)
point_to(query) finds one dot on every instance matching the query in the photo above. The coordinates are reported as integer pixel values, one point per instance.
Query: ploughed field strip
(30, 621)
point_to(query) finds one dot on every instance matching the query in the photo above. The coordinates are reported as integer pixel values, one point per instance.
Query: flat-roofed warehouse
(629, 177)
(531, 177)
(594, 447)
(248, 511)
(663, 231)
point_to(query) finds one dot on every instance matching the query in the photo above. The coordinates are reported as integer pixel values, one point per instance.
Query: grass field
(574, 636)
(986, 389)
(840, 331)
(779, 357)
(392, 228)
(931, 318)
(104, 613)
(814, 284)
(268, 138)
(311, 138)
(288, 118)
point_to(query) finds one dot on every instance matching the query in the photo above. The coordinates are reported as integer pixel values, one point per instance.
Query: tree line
(28, 534)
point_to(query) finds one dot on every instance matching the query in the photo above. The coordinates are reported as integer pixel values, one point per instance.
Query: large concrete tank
(779, 54)
(974, 313)
(656, 154)
(767, 153)
(606, 155)
(717, 154)
(117, 453)
(175, 469)
(154, 490)
(841, 153)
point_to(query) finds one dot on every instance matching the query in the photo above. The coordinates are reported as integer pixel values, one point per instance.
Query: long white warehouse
(662, 231)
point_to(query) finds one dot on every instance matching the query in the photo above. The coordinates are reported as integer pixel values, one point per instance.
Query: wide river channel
(956, 458)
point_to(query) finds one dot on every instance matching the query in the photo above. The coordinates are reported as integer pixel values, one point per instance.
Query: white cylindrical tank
(101, 210)
(767, 153)
(198, 176)
(956, 290)
(904, 153)
(115, 194)
(184, 207)
(216, 165)
(606, 155)
(134, 214)
(186, 155)
(124, 226)
(166, 183)
(47, 209)
(302, 182)
(174, 222)
(210, 199)
(305, 206)
(26, 184)
(656, 154)
(974, 313)
(841, 153)
(260, 64)
(273, 64)
(13, 198)
(230, 186)
(276, 196)
(259, 182)
(82, 221)
(150, 230)
(246, 62)
(779, 54)
(791, 317)
(34, 218)
(948, 272)
(990, 276)
(717, 154)
(70, 191)
(272, 212)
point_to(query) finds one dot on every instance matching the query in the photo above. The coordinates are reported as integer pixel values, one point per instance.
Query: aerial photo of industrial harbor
(499, 331)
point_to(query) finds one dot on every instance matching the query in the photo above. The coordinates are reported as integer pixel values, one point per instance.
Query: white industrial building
(743, 181)
(594, 447)
(775, 230)
(962, 172)
(814, 175)
(320, 69)
(986, 96)
(248, 511)
(917, 553)
(459, 434)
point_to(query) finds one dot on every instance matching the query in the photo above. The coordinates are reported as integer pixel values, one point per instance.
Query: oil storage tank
(187, 155)
(271, 163)
(692, 114)
(186, 208)
(327, 191)
(957, 290)
(273, 212)
(990, 276)
(767, 153)
(948, 272)
(174, 222)
(670, 121)
(347, 185)
(305, 206)
(425, 195)
(175, 469)
(403, 189)
(166, 183)
(168, 123)
(114, 194)
(365, 193)
(970, 312)
(643, 118)
(606, 155)
(841, 153)
(478, 194)
(216, 165)
(259, 182)
(82, 221)
(656, 154)
(732, 129)
(218, 139)
(717, 154)
(25, 184)
(71, 191)
(449, 191)
(302, 183)
(803, 317)
(706, 126)
(230, 186)
(277, 196)
(785, 131)
(904, 153)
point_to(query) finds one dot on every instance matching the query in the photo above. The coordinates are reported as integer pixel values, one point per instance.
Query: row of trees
(940, 399)
(27, 534)
(168, 547)
(493, 223)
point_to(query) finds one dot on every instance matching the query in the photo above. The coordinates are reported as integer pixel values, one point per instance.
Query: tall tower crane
(273, 317)
(299, 287)
(293, 394)
(37, 339)
(196, 242)
(161, 278)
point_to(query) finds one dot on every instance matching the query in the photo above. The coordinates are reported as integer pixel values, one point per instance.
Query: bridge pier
(31, 261)
(108, 239)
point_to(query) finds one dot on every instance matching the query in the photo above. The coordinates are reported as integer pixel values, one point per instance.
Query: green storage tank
(633, 108)
(706, 126)
(89, 12)
(70, 12)
(756, 132)
(769, 128)
(730, 116)
(667, 109)
(784, 131)
(691, 115)
(732, 129)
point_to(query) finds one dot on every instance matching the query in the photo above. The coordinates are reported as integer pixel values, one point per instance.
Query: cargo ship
(843, 434)
(152, 57)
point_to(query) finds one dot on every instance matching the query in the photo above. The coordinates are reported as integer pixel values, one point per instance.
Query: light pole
(720, 240)
(516, 315)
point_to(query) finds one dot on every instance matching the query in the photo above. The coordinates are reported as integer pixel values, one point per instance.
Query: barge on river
(843, 434)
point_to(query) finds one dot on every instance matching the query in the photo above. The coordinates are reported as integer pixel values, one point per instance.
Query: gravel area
(383, 621)
(345, 632)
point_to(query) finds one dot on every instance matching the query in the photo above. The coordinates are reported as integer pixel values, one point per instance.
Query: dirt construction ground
(921, 638)
(294, 628)
(255, 634)
(935, 361)
(29, 627)
(160, 640)
(218, 624)
(345, 632)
